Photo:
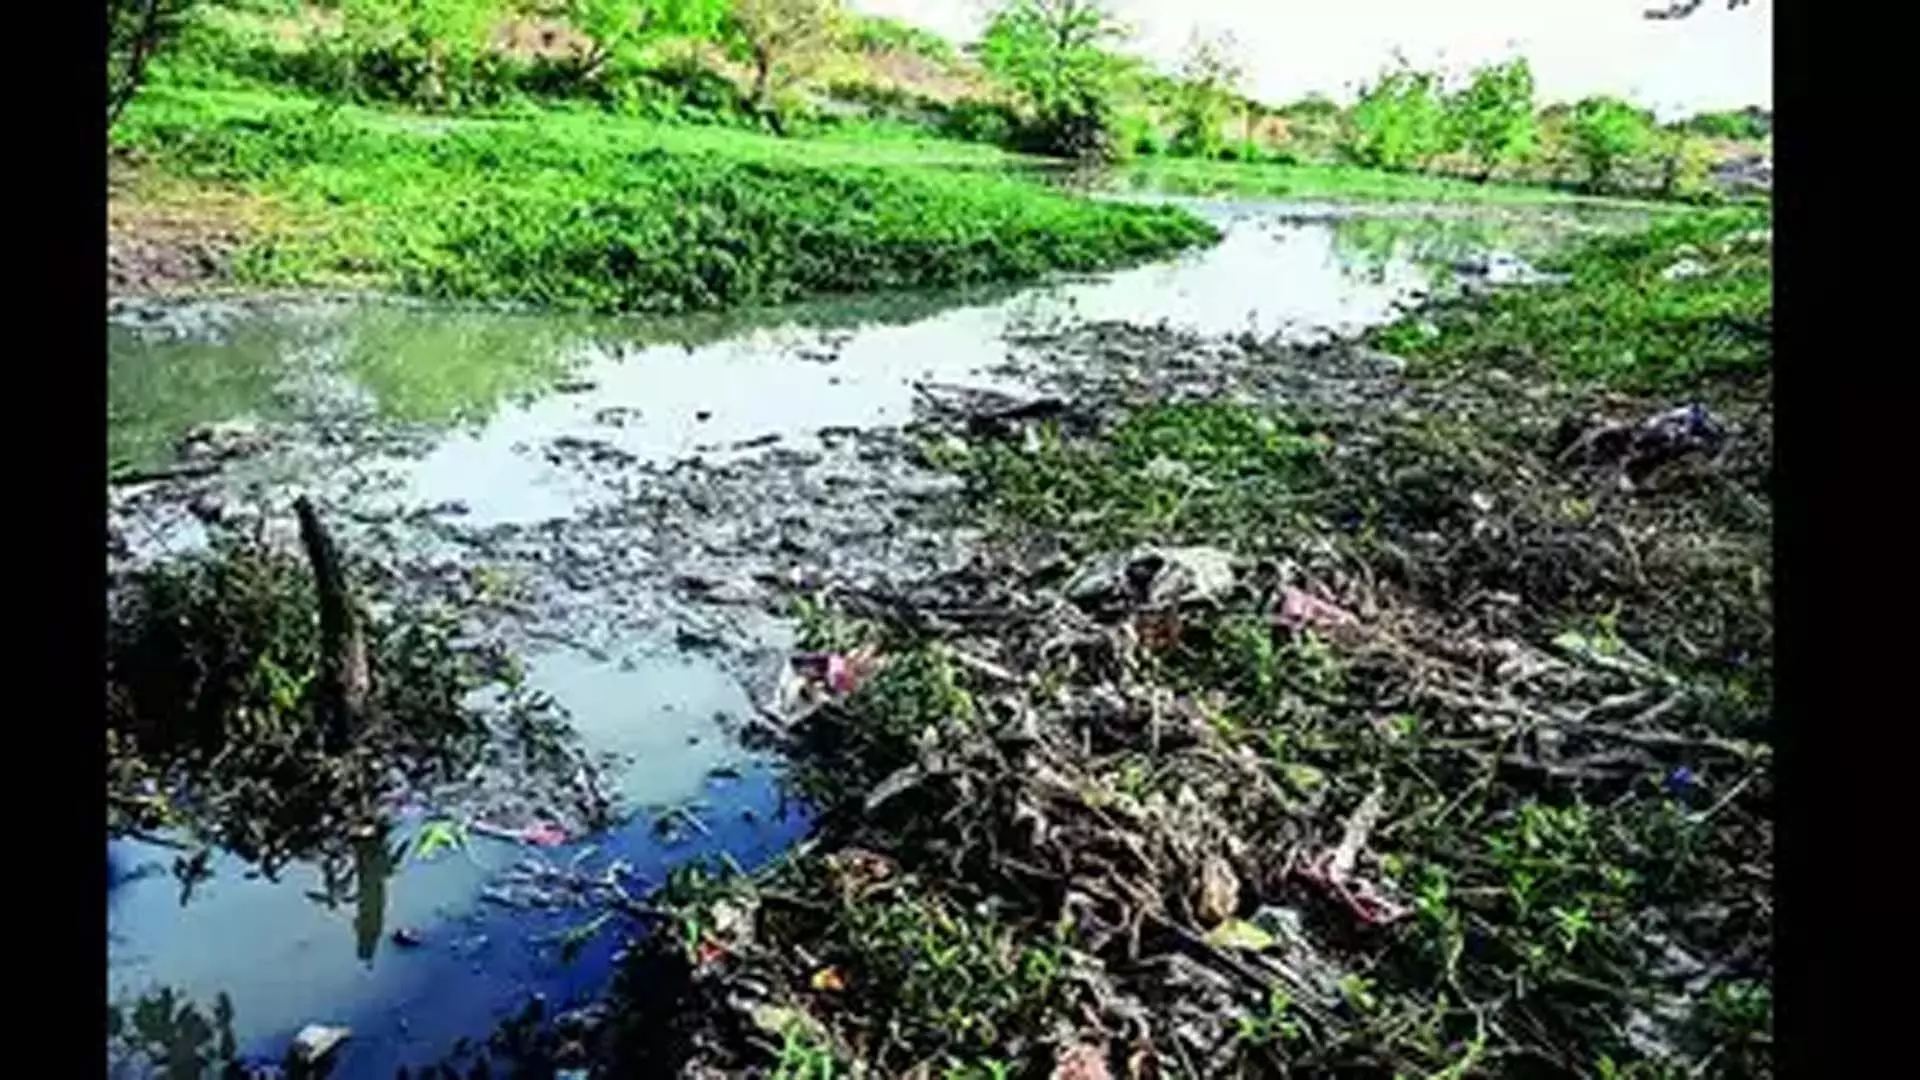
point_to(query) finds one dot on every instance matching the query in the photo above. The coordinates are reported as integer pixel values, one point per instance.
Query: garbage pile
(1190, 775)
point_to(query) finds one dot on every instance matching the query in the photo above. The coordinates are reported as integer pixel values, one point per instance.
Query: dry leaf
(1219, 891)
(828, 979)
(1239, 934)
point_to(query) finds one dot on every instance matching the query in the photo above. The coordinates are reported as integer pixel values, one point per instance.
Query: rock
(316, 1041)
(227, 439)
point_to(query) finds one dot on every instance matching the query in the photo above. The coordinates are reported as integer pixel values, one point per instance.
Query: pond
(476, 435)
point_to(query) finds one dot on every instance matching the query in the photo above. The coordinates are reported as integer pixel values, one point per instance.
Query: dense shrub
(1400, 122)
(979, 120)
(1606, 134)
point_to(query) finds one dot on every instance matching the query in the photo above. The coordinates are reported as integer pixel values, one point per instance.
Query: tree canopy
(1056, 56)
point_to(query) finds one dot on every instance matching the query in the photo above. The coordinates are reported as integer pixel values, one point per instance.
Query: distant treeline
(1046, 76)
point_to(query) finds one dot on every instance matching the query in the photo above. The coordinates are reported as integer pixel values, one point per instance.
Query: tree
(1751, 123)
(1400, 122)
(1680, 9)
(1493, 115)
(1211, 76)
(137, 30)
(1055, 55)
(618, 32)
(427, 40)
(1686, 161)
(783, 40)
(1607, 131)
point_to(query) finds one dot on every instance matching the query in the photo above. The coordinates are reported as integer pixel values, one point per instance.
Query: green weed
(1626, 317)
(554, 215)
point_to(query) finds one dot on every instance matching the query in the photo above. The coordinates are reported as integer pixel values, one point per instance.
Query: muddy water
(604, 464)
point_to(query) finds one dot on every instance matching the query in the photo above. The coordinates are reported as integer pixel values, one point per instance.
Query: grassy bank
(557, 211)
(1307, 712)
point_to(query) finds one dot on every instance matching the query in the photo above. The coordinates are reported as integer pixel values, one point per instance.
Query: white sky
(1716, 59)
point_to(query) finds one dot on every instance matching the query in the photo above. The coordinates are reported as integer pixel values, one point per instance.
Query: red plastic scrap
(841, 673)
(1358, 895)
(544, 834)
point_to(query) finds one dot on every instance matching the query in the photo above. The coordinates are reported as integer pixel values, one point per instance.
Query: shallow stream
(579, 452)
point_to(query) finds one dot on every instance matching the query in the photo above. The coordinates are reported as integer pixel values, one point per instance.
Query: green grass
(563, 210)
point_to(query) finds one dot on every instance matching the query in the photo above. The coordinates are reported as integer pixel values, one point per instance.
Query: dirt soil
(168, 237)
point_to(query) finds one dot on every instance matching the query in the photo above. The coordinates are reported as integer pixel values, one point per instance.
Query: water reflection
(172, 370)
(1373, 246)
(164, 1028)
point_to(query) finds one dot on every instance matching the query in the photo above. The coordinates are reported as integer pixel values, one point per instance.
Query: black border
(58, 471)
(1840, 623)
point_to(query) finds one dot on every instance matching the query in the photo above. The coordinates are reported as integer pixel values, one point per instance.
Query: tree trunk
(344, 680)
(131, 78)
(763, 91)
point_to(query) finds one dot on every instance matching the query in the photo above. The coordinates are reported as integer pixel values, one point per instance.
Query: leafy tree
(1680, 9)
(1606, 132)
(1311, 107)
(619, 32)
(137, 30)
(1750, 123)
(1493, 115)
(784, 40)
(419, 46)
(878, 34)
(1055, 55)
(1686, 162)
(1400, 122)
(1211, 76)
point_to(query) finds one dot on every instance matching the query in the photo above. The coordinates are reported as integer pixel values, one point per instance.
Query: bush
(1400, 122)
(1493, 116)
(979, 120)
(1750, 124)
(1606, 133)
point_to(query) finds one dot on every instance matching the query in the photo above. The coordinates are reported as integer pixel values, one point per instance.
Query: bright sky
(1714, 60)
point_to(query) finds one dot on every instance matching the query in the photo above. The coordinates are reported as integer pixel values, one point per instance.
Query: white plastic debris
(316, 1041)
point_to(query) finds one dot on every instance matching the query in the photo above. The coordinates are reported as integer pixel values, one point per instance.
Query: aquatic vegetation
(1686, 301)
(550, 215)
(214, 666)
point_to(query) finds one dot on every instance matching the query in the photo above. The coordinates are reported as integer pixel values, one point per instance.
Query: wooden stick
(343, 649)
